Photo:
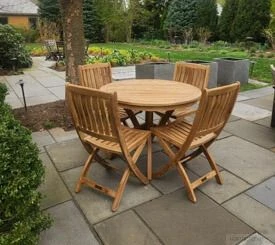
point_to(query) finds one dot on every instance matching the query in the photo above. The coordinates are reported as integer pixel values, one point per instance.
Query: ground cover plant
(21, 172)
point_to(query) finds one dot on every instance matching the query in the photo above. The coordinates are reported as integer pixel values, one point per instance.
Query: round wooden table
(153, 95)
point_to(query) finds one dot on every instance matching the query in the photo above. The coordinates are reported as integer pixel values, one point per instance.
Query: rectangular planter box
(213, 76)
(155, 71)
(231, 70)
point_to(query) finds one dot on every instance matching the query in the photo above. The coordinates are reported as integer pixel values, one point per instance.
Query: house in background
(19, 13)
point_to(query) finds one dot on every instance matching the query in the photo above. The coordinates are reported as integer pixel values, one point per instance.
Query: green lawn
(261, 71)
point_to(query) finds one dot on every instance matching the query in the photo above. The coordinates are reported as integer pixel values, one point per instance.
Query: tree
(252, 18)
(181, 16)
(72, 19)
(227, 19)
(208, 15)
(50, 19)
(92, 21)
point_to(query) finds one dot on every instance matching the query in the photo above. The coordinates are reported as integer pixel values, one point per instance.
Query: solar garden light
(14, 64)
(273, 111)
(21, 83)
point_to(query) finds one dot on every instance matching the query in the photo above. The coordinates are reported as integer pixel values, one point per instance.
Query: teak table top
(153, 94)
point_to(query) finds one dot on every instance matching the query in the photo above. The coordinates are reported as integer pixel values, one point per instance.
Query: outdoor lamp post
(21, 83)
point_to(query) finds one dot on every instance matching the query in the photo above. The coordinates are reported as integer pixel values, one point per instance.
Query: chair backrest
(194, 74)
(50, 45)
(273, 73)
(95, 75)
(214, 111)
(94, 112)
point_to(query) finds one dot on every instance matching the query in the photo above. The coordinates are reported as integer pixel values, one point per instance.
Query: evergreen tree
(92, 22)
(253, 16)
(181, 16)
(227, 19)
(49, 10)
(207, 15)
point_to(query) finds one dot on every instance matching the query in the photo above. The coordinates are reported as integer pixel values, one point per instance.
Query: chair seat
(177, 132)
(132, 137)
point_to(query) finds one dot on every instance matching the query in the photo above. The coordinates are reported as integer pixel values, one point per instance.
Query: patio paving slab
(176, 220)
(51, 81)
(59, 92)
(69, 227)
(252, 132)
(67, 154)
(256, 239)
(170, 181)
(60, 135)
(223, 134)
(264, 193)
(254, 214)
(53, 189)
(232, 186)
(264, 102)
(246, 160)
(256, 93)
(264, 122)
(134, 231)
(200, 165)
(249, 112)
(42, 138)
(97, 206)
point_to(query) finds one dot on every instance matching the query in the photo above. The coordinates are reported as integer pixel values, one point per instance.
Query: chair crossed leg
(131, 168)
(179, 164)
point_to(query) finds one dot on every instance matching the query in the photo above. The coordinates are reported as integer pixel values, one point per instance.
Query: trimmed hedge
(21, 172)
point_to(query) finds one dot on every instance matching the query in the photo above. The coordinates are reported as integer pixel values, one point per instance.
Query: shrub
(12, 46)
(21, 172)
(29, 35)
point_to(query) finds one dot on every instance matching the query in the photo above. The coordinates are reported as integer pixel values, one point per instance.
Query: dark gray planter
(231, 70)
(155, 71)
(213, 76)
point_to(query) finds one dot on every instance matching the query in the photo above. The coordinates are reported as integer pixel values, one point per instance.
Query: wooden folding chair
(193, 74)
(180, 136)
(98, 75)
(95, 117)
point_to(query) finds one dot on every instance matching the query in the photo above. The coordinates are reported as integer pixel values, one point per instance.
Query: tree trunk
(72, 19)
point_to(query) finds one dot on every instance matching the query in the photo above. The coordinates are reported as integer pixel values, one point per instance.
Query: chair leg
(149, 158)
(212, 164)
(120, 190)
(187, 183)
(85, 170)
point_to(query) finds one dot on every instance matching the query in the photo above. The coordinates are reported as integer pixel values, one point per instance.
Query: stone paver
(176, 220)
(252, 132)
(232, 186)
(257, 93)
(59, 92)
(223, 135)
(60, 135)
(264, 102)
(69, 227)
(256, 239)
(68, 154)
(265, 122)
(246, 160)
(264, 193)
(249, 112)
(254, 214)
(96, 206)
(199, 165)
(134, 231)
(42, 139)
(53, 189)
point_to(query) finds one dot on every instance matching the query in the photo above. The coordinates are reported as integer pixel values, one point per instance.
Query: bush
(12, 46)
(21, 172)
(29, 35)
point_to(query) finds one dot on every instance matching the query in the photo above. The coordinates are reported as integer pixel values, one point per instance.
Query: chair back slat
(95, 75)
(215, 108)
(94, 112)
(194, 74)
(214, 111)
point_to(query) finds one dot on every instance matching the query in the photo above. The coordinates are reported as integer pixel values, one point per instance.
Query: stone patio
(241, 211)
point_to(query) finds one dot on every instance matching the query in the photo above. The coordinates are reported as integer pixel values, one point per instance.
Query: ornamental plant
(12, 47)
(21, 172)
